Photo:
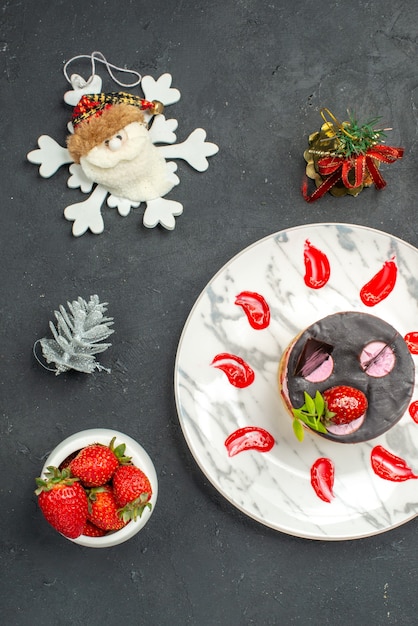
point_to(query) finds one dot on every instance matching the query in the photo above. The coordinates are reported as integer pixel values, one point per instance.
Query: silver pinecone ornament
(77, 336)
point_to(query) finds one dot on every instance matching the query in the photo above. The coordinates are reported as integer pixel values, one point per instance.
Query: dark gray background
(254, 75)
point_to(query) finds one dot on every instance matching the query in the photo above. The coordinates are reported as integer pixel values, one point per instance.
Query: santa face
(128, 165)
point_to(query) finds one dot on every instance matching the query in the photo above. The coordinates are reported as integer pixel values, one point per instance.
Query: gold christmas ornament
(157, 108)
(345, 157)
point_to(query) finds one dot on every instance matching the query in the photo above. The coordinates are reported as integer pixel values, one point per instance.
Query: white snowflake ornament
(121, 148)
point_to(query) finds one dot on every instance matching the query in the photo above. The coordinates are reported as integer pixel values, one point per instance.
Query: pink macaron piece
(377, 359)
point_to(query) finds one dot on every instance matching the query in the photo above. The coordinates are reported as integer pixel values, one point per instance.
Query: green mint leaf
(321, 428)
(310, 421)
(298, 430)
(303, 417)
(319, 404)
(309, 403)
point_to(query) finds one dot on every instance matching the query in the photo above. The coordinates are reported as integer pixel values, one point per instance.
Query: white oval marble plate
(274, 487)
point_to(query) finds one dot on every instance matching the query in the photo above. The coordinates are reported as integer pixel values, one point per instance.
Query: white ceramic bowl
(140, 458)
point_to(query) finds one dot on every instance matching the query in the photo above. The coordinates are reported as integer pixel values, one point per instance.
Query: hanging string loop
(99, 57)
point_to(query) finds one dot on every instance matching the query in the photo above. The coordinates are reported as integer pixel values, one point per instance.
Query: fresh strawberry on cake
(340, 410)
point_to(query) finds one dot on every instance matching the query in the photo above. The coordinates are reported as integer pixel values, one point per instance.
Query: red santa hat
(95, 104)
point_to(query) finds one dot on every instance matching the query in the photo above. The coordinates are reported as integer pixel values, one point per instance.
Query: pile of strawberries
(94, 491)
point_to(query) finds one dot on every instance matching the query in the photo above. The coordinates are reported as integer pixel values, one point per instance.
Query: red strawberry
(132, 490)
(103, 510)
(91, 530)
(345, 403)
(94, 465)
(63, 502)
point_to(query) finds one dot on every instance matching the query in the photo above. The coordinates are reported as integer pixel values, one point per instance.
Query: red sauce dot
(412, 342)
(413, 411)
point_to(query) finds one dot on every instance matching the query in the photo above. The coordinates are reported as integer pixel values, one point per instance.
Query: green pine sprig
(358, 138)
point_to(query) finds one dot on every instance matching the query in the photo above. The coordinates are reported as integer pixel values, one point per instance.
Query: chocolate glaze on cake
(349, 333)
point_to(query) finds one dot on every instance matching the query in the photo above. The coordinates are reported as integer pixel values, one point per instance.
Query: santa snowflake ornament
(119, 148)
